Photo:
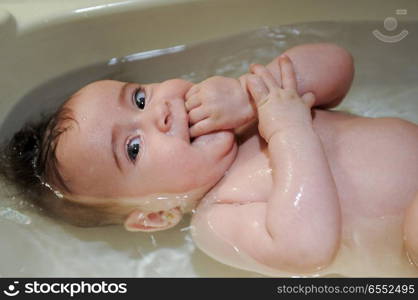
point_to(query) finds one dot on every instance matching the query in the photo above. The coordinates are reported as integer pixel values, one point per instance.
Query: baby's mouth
(189, 125)
(179, 120)
(191, 138)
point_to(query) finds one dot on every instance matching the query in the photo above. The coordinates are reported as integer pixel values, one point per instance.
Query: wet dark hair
(29, 163)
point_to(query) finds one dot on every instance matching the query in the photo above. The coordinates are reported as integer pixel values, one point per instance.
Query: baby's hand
(217, 103)
(279, 107)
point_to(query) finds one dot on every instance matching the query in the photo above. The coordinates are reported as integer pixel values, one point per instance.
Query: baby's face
(132, 141)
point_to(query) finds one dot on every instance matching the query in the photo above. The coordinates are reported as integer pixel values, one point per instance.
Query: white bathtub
(43, 40)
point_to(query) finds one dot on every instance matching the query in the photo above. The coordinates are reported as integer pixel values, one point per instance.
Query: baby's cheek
(172, 168)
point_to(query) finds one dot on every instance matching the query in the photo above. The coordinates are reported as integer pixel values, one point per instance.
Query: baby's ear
(139, 220)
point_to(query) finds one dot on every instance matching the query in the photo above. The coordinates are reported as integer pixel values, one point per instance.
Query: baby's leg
(325, 69)
(410, 230)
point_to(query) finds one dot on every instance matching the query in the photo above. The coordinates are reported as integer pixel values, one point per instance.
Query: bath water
(385, 84)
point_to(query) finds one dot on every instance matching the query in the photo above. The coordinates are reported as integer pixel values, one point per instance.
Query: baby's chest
(250, 177)
(371, 176)
(375, 183)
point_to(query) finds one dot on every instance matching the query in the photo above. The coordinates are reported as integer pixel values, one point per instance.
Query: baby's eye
(139, 98)
(133, 148)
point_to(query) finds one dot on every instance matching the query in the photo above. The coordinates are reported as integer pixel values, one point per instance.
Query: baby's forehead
(98, 87)
(85, 140)
(91, 97)
(77, 155)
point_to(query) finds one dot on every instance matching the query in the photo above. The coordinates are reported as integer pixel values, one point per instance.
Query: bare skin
(290, 205)
(365, 194)
(286, 207)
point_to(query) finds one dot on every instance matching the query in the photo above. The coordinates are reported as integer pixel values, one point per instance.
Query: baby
(277, 197)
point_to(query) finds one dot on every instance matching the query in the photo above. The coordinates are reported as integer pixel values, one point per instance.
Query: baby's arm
(298, 228)
(323, 69)
(327, 70)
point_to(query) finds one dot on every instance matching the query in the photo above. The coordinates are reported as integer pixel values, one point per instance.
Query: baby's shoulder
(397, 124)
(401, 133)
(393, 130)
(343, 125)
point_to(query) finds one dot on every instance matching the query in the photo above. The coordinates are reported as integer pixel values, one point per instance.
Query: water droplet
(113, 61)
(15, 216)
(139, 251)
(153, 241)
(186, 228)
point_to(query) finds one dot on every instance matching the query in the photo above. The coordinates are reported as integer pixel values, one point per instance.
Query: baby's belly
(374, 163)
(375, 167)
(372, 247)
(376, 180)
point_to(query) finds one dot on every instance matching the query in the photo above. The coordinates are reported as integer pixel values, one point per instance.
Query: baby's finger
(197, 114)
(309, 99)
(193, 90)
(201, 128)
(258, 89)
(192, 102)
(264, 73)
(287, 73)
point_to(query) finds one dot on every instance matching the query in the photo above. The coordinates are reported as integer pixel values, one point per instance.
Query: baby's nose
(163, 117)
